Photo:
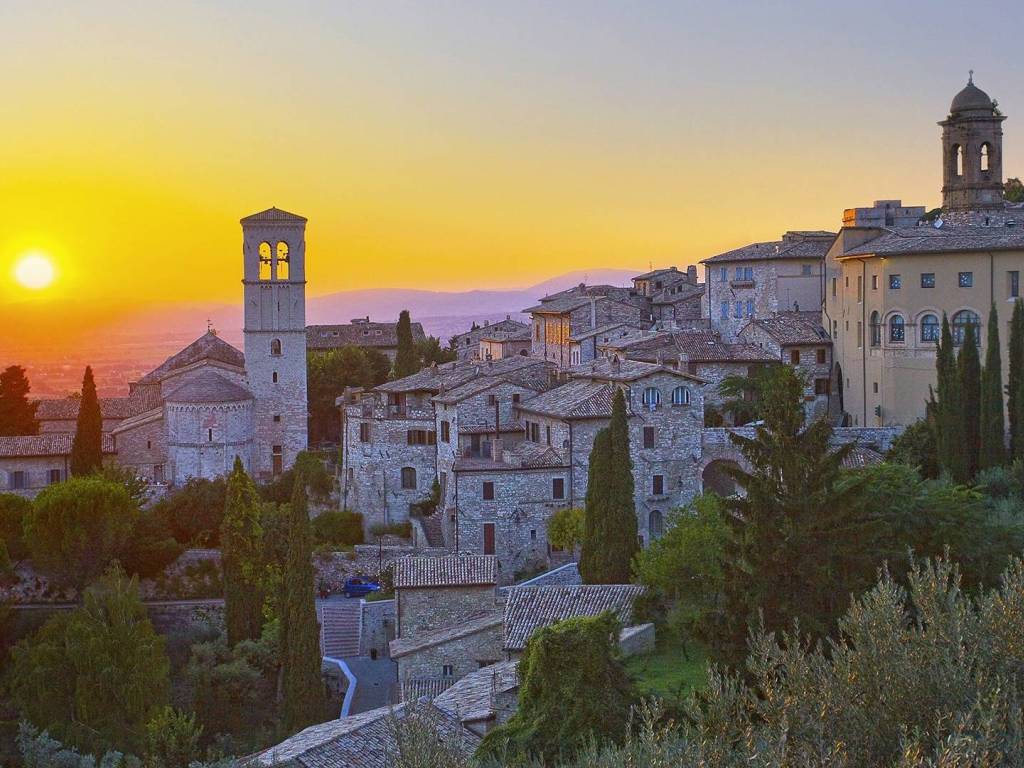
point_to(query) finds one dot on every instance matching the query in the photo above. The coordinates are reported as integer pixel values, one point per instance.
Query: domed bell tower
(274, 286)
(972, 159)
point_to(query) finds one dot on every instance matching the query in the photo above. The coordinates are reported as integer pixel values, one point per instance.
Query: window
(876, 329)
(276, 460)
(834, 291)
(966, 280)
(961, 320)
(16, 480)
(652, 397)
(274, 377)
(409, 478)
(492, 400)
(655, 524)
(149, 445)
(806, 270)
(680, 396)
(822, 386)
(750, 307)
(488, 538)
(860, 288)
(874, 387)
(266, 261)
(723, 274)
(957, 160)
(874, 282)
(275, 347)
(536, 334)
(895, 282)
(447, 671)
(658, 485)
(557, 488)
(533, 429)
(820, 356)
(1013, 278)
(648, 437)
(446, 432)
(158, 473)
(54, 476)
(364, 432)
(739, 310)
(986, 157)
(927, 279)
(723, 310)
(209, 435)
(744, 274)
(835, 329)
(930, 328)
(897, 329)
(516, 397)
(794, 356)
(533, 534)
(282, 260)
(860, 335)
(277, 418)
(421, 437)
(488, 492)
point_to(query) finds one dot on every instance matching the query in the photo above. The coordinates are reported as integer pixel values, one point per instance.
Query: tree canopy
(407, 361)
(87, 445)
(17, 412)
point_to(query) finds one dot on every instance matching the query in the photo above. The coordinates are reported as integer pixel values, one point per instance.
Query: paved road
(376, 681)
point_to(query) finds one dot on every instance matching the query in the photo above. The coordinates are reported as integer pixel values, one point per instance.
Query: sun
(34, 271)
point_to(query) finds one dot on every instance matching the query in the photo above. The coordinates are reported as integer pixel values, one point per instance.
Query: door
(488, 538)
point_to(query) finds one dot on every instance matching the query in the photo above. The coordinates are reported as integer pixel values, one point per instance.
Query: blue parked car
(360, 586)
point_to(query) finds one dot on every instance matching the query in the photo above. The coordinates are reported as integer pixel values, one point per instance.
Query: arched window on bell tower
(266, 261)
(986, 157)
(958, 160)
(282, 260)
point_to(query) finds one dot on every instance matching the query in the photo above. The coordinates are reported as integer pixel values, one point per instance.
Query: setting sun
(34, 271)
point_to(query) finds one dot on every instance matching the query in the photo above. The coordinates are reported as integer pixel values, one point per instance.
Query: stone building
(468, 345)
(29, 463)
(890, 276)
(60, 415)
(763, 279)
(382, 337)
(586, 345)
(495, 345)
(449, 619)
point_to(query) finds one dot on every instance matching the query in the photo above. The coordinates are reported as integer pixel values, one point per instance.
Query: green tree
(743, 396)
(94, 677)
(406, 360)
(684, 567)
(573, 688)
(969, 369)
(194, 512)
(1015, 385)
(948, 407)
(76, 528)
(87, 446)
(17, 413)
(609, 517)
(993, 434)
(565, 528)
(151, 547)
(303, 702)
(328, 374)
(13, 511)
(917, 446)
(241, 547)
(1013, 190)
(172, 739)
(797, 544)
(430, 351)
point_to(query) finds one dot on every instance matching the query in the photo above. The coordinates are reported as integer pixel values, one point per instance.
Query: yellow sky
(465, 146)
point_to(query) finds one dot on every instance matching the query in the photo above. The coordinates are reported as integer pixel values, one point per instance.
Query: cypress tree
(87, 446)
(993, 435)
(969, 368)
(17, 413)
(609, 517)
(303, 702)
(947, 406)
(1015, 402)
(406, 360)
(240, 547)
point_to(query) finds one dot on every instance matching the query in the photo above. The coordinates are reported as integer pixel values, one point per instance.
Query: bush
(338, 528)
(151, 547)
(401, 530)
(320, 483)
(194, 512)
(13, 510)
(565, 528)
(172, 739)
(917, 447)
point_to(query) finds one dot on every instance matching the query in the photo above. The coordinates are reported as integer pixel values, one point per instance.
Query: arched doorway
(716, 479)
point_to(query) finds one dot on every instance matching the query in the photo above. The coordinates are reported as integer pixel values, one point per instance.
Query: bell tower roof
(970, 98)
(273, 215)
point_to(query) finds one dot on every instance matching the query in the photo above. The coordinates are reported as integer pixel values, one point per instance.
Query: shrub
(194, 512)
(565, 528)
(402, 530)
(172, 739)
(151, 547)
(339, 528)
(13, 510)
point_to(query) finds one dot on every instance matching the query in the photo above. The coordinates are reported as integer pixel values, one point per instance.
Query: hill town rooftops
(794, 328)
(793, 245)
(577, 399)
(446, 571)
(471, 699)
(948, 239)
(618, 370)
(358, 333)
(527, 609)
(436, 378)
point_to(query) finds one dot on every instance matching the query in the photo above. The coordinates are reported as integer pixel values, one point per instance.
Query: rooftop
(795, 244)
(471, 625)
(793, 328)
(471, 699)
(527, 609)
(208, 386)
(578, 399)
(618, 370)
(695, 347)
(446, 571)
(947, 239)
(273, 215)
(435, 378)
(209, 346)
(359, 333)
(53, 444)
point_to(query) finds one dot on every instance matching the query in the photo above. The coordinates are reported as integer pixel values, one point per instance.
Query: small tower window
(958, 160)
(282, 261)
(986, 157)
(209, 435)
(275, 347)
(266, 261)
(275, 377)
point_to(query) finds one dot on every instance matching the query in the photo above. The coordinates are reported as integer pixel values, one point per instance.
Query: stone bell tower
(274, 287)
(972, 160)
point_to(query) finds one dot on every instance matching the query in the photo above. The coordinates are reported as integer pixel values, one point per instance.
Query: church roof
(273, 215)
(52, 444)
(207, 386)
(66, 408)
(209, 346)
(971, 97)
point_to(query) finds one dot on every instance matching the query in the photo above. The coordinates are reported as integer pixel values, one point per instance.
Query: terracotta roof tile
(793, 245)
(209, 346)
(446, 571)
(793, 328)
(357, 334)
(948, 239)
(51, 444)
(527, 609)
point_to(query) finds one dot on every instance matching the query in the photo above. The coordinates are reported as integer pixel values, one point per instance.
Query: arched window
(409, 478)
(680, 396)
(958, 160)
(275, 347)
(930, 329)
(266, 261)
(655, 524)
(897, 330)
(961, 320)
(282, 260)
(986, 157)
(876, 329)
(652, 397)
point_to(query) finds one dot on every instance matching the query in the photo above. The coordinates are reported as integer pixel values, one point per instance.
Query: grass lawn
(668, 673)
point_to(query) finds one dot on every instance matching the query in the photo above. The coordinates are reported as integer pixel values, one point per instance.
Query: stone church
(191, 415)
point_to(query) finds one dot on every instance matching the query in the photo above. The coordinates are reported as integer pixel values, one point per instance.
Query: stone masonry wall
(463, 655)
(422, 610)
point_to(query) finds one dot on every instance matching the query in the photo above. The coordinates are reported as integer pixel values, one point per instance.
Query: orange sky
(457, 145)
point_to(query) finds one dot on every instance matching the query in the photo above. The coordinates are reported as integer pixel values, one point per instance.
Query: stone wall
(379, 627)
(430, 608)
(637, 640)
(35, 471)
(464, 655)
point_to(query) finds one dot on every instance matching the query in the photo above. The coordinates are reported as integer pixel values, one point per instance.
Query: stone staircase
(433, 529)
(341, 626)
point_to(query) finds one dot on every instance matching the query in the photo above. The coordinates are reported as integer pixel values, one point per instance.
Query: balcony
(742, 283)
